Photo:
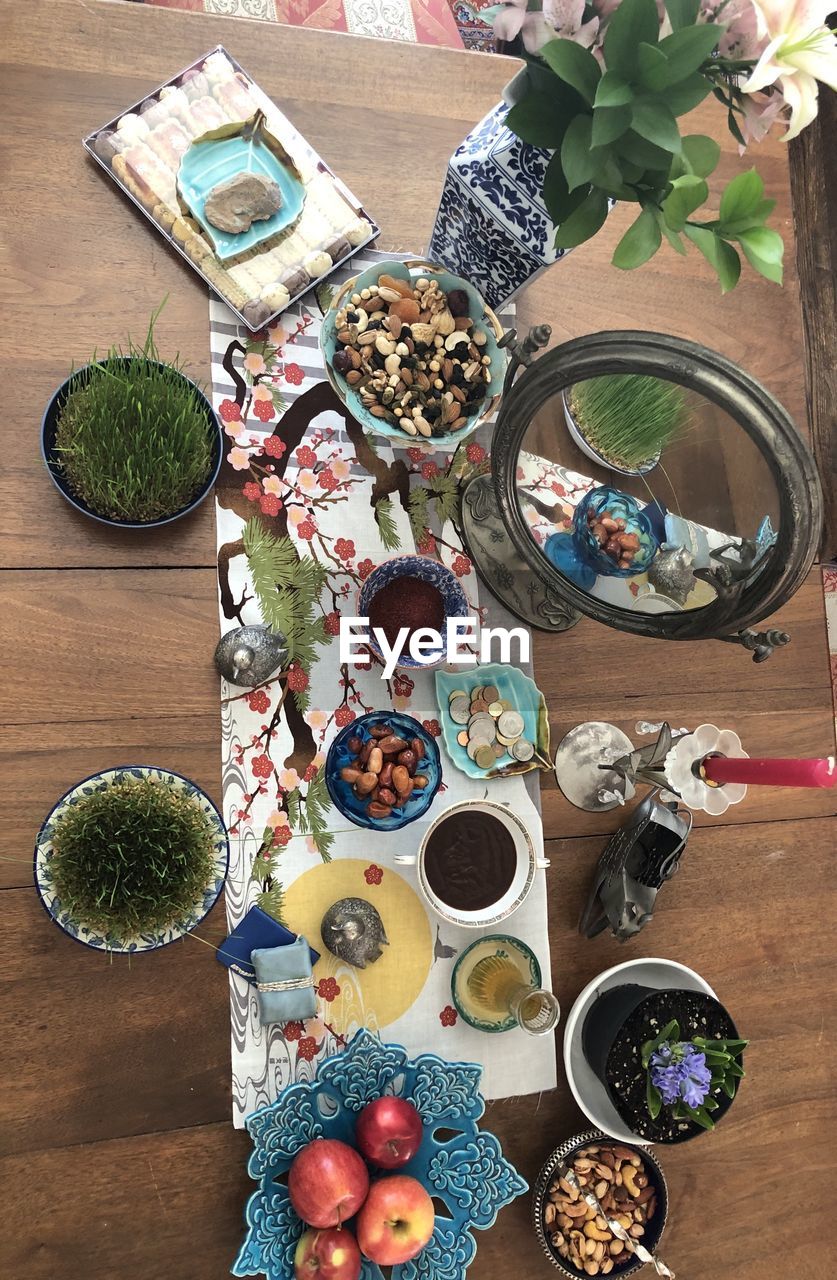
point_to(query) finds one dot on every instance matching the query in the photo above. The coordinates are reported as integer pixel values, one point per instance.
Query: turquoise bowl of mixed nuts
(412, 351)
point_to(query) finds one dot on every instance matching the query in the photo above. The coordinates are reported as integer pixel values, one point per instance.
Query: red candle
(771, 773)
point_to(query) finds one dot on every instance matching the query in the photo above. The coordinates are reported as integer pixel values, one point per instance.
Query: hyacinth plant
(607, 83)
(683, 1074)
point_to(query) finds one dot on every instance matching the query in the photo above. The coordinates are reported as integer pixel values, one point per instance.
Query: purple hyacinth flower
(679, 1073)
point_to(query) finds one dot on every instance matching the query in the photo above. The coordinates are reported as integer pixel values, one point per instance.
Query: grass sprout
(133, 858)
(133, 437)
(628, 418)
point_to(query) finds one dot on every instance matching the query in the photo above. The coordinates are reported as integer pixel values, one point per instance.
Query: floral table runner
(305, 498)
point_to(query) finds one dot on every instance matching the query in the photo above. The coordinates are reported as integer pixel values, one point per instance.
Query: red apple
(389, 1132)
(396, 1220)
(327, 1255)
(327, 1183)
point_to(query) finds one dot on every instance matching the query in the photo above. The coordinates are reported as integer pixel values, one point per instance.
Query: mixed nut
(414, 355)
(617, 1177)
(613, 537)
(384, 770)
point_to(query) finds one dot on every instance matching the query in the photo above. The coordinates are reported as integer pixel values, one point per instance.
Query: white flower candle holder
(684, 773)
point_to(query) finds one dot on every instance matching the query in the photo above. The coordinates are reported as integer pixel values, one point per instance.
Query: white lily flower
(800, 51)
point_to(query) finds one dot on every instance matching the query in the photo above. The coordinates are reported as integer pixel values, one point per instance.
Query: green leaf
(639, 243)
(734, 1046)
(763, 243)
(673, 238)
(718, 253)
(728, 1086)
(689, 93)
(741, 196)
(272, 901)
(260, 869)
(711, 1104)
(584, 222)
(734, 1069)
(701, 153)
(574, 64)
(685, 51)
(387, 528)
(535, 120)
(613, 91)
(653, 1100)
(633, 23)
(559, 200)
(418, 512)
(636, 149)
(576, 160)
(654, 121)
(700, 1116)
(757, 218)
(683, 13)
(650, 61)
(688, 193)
(609, 123)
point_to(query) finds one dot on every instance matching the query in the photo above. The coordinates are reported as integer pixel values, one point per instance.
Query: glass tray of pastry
(297, 230)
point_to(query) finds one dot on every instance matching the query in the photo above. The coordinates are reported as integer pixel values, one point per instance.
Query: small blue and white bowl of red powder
(414, 592)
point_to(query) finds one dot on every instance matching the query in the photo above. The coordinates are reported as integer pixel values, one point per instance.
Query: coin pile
(491, 726)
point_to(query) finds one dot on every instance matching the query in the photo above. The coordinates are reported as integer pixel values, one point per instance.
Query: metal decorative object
(247, 656)
(353, 931)
(671, 573)
(584, 766)
(506, 574)
(634, 865)
(505, 549)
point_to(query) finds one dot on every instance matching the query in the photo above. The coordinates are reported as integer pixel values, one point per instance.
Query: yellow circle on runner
(379, 994)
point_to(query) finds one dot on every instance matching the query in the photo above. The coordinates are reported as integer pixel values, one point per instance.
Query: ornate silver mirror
(647, 482)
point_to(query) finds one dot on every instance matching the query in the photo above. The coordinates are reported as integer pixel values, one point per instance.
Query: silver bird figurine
(247, 656)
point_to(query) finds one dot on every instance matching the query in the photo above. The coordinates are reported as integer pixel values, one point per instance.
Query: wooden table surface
(117, 1154)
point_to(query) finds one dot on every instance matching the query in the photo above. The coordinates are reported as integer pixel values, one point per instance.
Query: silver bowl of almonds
(629, 1184)
(412, 351)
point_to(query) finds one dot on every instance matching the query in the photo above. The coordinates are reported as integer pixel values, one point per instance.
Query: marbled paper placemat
(300, 480)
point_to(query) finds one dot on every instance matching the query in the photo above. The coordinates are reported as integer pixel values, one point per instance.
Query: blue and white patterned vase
(492, 226)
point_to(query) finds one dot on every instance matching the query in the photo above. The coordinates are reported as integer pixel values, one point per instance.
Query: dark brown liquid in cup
(470, 860)
(407, 602)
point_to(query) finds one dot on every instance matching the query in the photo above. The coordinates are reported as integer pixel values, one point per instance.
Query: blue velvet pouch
(285, 983)
(256, 929)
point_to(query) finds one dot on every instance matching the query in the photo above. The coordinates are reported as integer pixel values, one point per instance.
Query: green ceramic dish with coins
(523, 696)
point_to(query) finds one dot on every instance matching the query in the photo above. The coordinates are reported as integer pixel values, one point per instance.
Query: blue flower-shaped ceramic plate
(353, 806)
(465, 1172)
(525, 697)
(143, 942)
(430, 571)
(482, 315)
(213, 159)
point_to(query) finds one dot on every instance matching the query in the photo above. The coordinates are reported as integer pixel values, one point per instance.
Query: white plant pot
(585, 1085)
(590, 452)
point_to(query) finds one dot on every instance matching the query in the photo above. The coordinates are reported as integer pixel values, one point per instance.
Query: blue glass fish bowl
(580, 557)
(460, 1165)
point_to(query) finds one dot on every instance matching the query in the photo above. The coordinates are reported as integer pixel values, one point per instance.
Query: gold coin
(462, 738)
(495, 709)
(484, 757)
(457, 693)
(476, 692)
(507, 742)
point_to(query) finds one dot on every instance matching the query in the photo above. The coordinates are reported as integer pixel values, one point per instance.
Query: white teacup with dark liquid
(476, 863)
(475, 866)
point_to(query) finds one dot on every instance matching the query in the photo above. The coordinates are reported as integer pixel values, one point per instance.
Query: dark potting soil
(697, 1015)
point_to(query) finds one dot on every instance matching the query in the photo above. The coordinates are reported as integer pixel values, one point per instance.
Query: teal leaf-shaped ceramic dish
(525, 697)
(245, 147)
(461, 1165)
(479, 311)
